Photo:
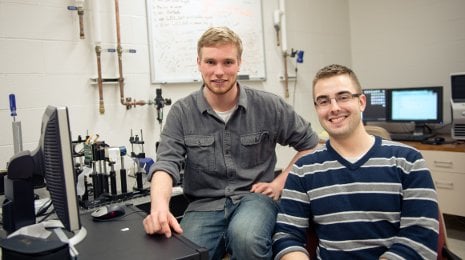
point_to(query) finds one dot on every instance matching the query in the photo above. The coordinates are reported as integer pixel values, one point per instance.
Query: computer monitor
(420, 105)
(53, 160)
(375, 110)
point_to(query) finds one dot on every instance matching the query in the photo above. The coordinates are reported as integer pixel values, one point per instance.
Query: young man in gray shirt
(226, 134)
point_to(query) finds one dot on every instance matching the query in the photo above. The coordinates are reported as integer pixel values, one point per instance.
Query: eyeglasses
(341, 98)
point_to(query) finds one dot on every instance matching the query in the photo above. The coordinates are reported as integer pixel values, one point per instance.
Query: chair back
(379, 131)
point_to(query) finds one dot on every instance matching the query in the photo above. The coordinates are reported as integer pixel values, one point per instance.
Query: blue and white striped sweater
(383, 204)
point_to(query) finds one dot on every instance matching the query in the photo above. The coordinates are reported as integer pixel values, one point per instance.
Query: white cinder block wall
(408, 43)
(43, 61)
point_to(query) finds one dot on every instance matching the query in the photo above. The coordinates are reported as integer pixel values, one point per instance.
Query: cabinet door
(448, 173)
(445, 161)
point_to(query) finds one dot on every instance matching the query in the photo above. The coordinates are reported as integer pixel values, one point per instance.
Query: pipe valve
(160, 102)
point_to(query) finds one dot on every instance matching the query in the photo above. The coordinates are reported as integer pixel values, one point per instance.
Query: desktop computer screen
(375, 110)
(420, 105)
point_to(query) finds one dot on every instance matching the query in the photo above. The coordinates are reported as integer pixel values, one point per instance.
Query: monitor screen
(419, 105)
(53, 160)
(458, 87)
(375, 110)
(58, 166)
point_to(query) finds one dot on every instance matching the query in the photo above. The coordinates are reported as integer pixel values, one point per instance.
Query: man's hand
(275, 188)
(272, 189)
(161, 222)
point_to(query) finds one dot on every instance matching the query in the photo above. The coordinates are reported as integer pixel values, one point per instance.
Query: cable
(295, 86)
(46, 216)
(43, 209)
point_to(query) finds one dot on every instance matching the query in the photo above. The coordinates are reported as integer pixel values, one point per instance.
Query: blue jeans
(243, 230)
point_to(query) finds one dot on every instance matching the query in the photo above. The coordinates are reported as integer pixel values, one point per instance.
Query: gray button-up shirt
(225, 159)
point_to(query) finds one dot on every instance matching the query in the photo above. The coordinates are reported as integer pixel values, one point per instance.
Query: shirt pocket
(256, 148)
(200, 152)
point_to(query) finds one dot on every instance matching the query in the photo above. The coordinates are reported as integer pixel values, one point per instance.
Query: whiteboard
(174, 27)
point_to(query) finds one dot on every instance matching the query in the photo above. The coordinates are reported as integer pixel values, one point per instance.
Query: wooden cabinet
(447, 165)
(448, 172)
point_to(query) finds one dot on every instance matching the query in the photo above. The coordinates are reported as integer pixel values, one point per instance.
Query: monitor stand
(35, 240)
(73, 241)
(422, 130)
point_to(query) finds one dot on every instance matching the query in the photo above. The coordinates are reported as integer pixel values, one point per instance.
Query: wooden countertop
(448, 146)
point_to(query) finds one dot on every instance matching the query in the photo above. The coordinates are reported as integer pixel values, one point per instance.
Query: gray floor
(455, 228)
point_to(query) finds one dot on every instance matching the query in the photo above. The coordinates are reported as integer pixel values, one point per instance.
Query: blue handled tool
(13, 105)
(16, 127)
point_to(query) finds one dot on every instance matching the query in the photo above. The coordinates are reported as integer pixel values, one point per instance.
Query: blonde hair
(215, 36)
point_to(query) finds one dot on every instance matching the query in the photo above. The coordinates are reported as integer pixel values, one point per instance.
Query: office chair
(444, 253)
(379, 131)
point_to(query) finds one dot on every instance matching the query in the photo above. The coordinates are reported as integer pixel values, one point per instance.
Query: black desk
(125, 238)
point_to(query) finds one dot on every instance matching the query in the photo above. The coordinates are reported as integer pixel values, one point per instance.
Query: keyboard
(409, 137)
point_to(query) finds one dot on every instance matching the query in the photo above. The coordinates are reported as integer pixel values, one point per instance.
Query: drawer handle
(443, 164)
(444, 185)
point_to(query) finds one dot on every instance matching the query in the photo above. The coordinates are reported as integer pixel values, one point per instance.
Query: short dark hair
(335, 70)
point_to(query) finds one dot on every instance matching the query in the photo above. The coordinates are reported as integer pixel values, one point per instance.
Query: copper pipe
(128, 101)
(98, 51)
(80, 11)
(120, 53)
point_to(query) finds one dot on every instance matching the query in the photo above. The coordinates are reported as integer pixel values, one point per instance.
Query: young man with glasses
(365, 197)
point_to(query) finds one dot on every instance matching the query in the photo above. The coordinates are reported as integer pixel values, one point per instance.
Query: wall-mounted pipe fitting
(129, 103)
(80, 11)
(98, 52)
(79, 7)
(119, 49)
